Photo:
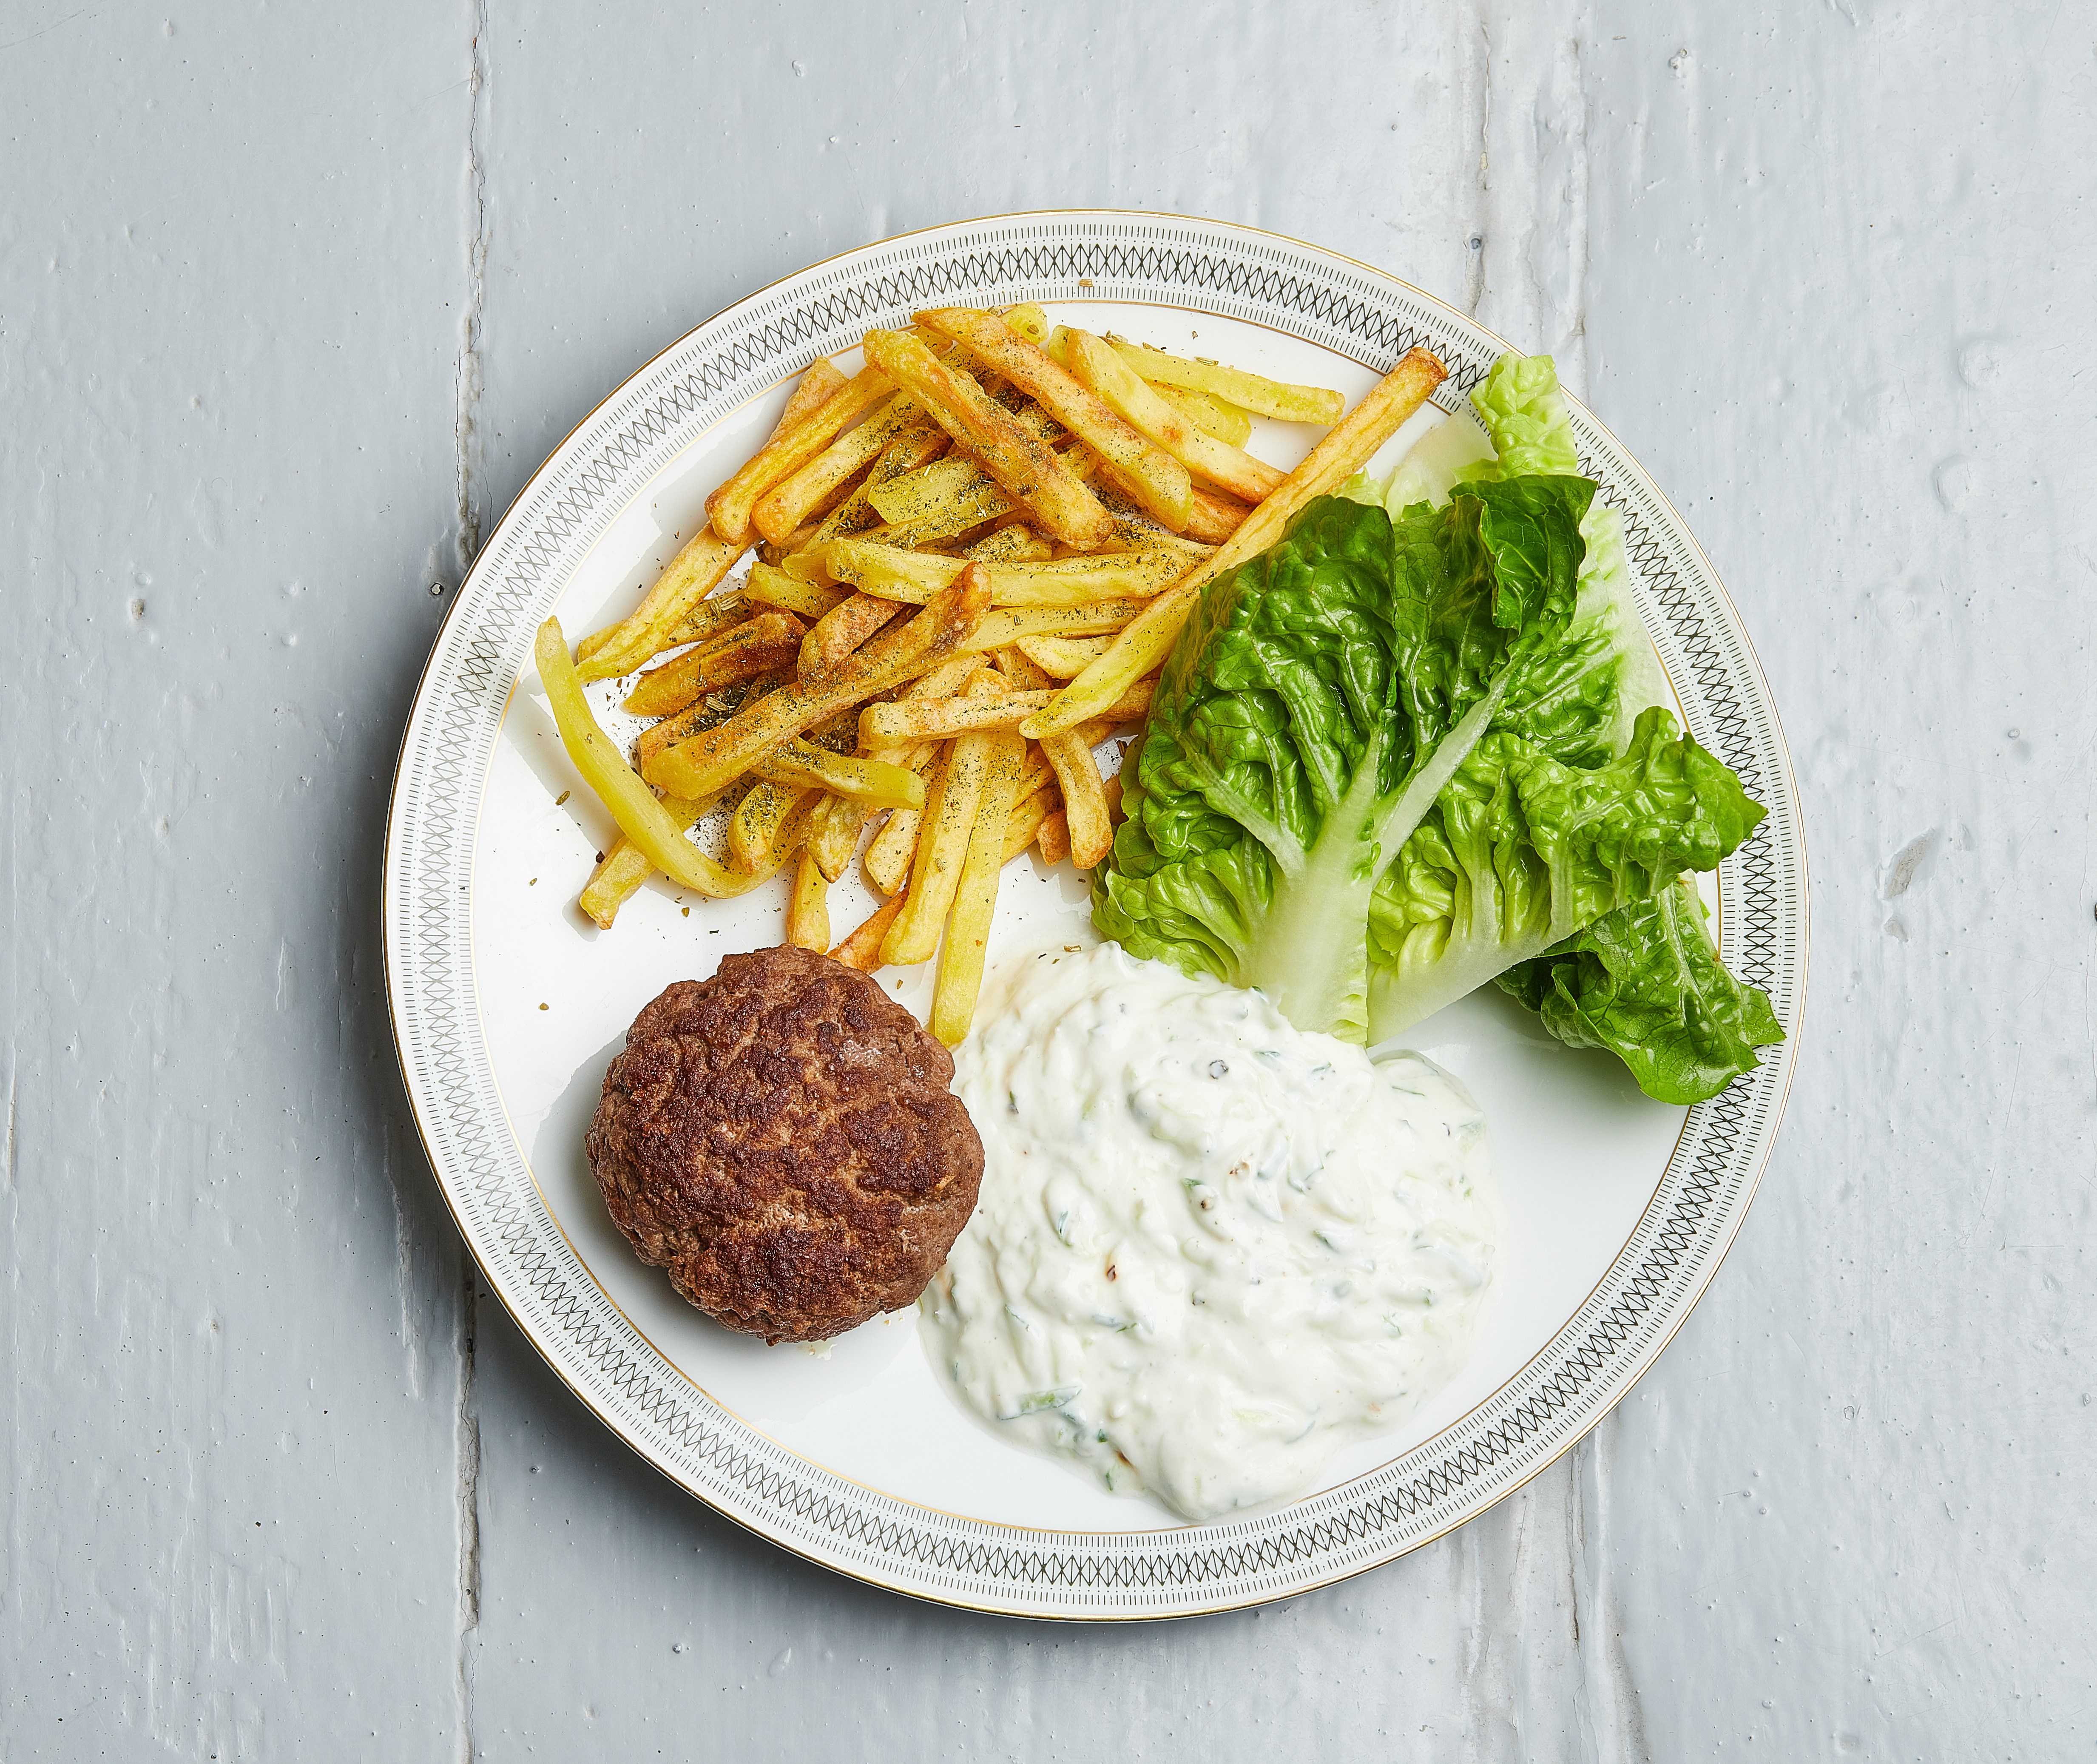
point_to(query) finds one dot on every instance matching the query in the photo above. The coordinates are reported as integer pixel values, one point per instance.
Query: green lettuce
(1581, 701)
(1526, 417)
(1423, 744)
(1444, 457)
(1311, 710)
(1521, 852)
(1580, 697)
(1644, 982)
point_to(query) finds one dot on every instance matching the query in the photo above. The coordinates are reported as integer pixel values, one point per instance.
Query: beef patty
(782, 1140)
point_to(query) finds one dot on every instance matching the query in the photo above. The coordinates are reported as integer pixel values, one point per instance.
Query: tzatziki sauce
(1210, 1249)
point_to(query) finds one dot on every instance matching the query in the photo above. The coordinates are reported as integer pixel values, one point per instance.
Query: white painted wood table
(294, 297)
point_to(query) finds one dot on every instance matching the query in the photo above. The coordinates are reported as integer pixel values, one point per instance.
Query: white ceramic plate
(507, 1004)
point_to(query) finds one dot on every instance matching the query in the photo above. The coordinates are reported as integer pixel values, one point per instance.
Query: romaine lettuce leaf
(1581, 698)
(1311, 710)
(1447, 668)
(1645, 982)
(1519, 851)
(1436, 463)
(1526, 417)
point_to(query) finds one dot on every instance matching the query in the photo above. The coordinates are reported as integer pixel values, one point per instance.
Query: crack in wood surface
(466, 1447)
(470, 385)
(469, 380)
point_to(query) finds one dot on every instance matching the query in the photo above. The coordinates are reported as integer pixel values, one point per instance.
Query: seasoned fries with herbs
(1262, 397)
(1023, 463)
(1154, 477)
(1144, 644)
(972, 556)
(1230, 469)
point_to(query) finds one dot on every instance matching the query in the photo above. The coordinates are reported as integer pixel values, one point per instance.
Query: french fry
(947, 527)
(708, 713)
(853, 515)
(1053, 837)
(623, 869)
(929, 491)
(1149, 637)
(793, 835)
(809, 491)
(875, 568)
(915, 447)
(707, 618)
(905, 453)
(862, 949)
(618, 873)
(753, 829)
(1084, 803)
(1207, 412)
(823, 380)
(1063, 658)
(781, 555)
(805, 565)
(888, 856)
(893, 851)
(695, 573)
(1008, 624)
(1025, 821)
(1112, 790)
(755, 647)
(952, 495)
(1262, 397)
(696, 570)
(808, 908)
(1019, 666)
(1080, 581)
(833, 832)
(889, 859)
(890, 725)
(1216, 518)
(715, 614)
(641, 817)
(960, 977)
(944, 681)
(1022, 464)
(1015, 544)
(1037, 774)
(876, 782)
(730, 506)
(1150, 473)
(1027, 320)
(1136, 531)
(1229, 468)
(839, 632)
(943, 844)
(770, 587)
(711, 760)
(946, 496)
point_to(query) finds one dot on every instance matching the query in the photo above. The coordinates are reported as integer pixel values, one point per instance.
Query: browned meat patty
(781, 1138)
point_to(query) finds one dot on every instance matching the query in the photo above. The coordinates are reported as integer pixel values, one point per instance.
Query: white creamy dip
(1210, 1249)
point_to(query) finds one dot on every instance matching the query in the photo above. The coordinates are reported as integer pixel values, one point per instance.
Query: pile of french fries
(972, 557)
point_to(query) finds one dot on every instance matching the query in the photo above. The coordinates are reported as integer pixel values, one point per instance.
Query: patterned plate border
(1209, 267)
